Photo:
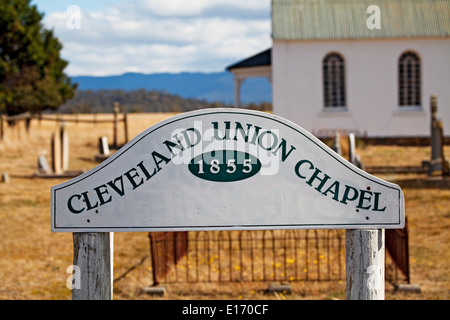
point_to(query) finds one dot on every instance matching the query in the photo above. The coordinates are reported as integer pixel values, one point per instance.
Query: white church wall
(371, 71)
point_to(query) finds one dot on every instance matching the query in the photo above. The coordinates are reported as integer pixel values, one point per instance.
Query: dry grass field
(34, 261)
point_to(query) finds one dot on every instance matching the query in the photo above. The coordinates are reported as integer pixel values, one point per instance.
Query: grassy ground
(34, 261)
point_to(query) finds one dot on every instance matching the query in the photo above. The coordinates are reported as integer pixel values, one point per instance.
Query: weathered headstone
(64, 148)
(43, 166)
(56, 153)
(60, 158)
(5, 177)
(103, 149)
(438, 164)
(103, 145)
(337, 143)
(353, 157)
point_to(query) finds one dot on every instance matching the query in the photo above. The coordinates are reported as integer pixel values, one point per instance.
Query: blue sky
(111, 37)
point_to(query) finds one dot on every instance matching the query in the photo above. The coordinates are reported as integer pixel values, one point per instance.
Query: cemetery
(273, 264)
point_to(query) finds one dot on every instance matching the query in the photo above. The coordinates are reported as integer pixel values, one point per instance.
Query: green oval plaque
(224, 165)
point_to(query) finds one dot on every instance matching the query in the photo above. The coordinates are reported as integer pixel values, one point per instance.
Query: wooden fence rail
(27, 117)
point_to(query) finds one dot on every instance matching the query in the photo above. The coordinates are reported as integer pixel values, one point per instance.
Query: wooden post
(56, 153)
(64, 136)
(237, 92)
(115, 129)
(125, 126)
(2, 129)
(93, 255)
(351, 147)
(364, 257)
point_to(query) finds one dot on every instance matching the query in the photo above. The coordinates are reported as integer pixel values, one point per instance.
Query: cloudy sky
(111, 37)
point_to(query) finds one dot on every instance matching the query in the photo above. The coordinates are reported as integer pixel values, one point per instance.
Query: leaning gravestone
(59, 158)
(103, 149)
(43, 166)
(229, 169)
(337, 143)
(354, 158)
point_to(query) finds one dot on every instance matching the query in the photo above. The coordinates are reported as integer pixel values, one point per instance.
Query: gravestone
(56, 153)
(43, 166)
(5, 177)
(337, 143)
(438, 164)
(103, 149)
(60, 158)
(354, 158)
(64, 136)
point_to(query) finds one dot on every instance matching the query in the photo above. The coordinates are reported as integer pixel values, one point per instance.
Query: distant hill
(212, 87)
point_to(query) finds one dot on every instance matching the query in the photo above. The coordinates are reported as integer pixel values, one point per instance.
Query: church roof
(260, 59)
(346, 19)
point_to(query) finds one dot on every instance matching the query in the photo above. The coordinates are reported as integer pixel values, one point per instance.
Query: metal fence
(227, 256)
(269, 255)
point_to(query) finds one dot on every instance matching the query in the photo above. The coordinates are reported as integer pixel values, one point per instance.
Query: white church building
(351, 66)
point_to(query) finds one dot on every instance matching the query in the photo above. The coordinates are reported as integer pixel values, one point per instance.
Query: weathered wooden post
(56, 153)
(365, 259)
(125, 126)
(2, 129)
(93, 257)
(337, 143)
(64, 136)
(115, 126)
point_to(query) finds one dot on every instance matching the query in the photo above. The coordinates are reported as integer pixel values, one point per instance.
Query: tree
(31, 69)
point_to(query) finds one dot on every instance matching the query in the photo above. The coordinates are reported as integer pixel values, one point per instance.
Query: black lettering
(70, 206)
(160, 156)
(362, 197)
(335, 192)
(274, 143)
(240, 129)
(376, 202)
(120, 191)
(299, 164)
(144, 170)
(189, 143)
(88, 202)
(171, 145)
(282, 145)
(226, 136)
(322, 181)
(346, 197)
(132, 176)
(101, 193)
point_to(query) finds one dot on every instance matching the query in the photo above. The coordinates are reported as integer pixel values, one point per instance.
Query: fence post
(125, 126)
(2, 129)
(93, 255)
(364, 255)
(115, 129)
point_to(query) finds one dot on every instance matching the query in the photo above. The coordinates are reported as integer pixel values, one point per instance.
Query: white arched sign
(219, 169)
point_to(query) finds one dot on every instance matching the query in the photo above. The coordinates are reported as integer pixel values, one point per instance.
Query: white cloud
(163, 36)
